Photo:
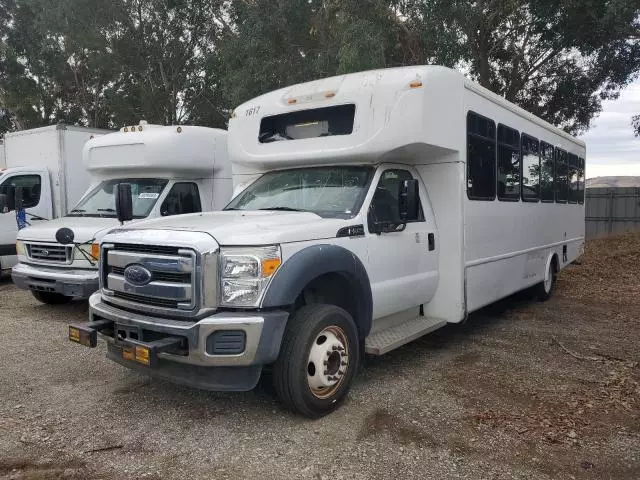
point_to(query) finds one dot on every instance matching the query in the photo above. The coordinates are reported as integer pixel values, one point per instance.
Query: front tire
(545, 289)
(51, 298)
(317, 361)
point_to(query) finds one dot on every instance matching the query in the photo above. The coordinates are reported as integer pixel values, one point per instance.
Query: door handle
(432, 242)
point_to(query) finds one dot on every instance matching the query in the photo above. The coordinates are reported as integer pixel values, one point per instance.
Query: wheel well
(554, 261)
(333, 289)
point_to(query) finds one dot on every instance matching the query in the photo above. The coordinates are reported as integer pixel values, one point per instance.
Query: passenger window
(530, 177)
(574, 183)
(183, 198)
(581, 180)
(384, 206)
(481, 157)
(547, 171)
(562, 176)
(508, 164)
(31, 188)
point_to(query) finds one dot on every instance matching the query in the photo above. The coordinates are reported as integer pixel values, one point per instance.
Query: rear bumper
(194, 358)
(66, 281)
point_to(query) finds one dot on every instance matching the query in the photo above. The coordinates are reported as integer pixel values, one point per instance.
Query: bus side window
(481, 157)
(530, 177)
(546, 172)
(581, 180)
(508, 164)
(562, 176)
(574, 183)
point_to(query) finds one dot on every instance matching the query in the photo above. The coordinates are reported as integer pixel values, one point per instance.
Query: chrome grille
(150, 249)
(160, 276)
(50, 252)
(170, 285)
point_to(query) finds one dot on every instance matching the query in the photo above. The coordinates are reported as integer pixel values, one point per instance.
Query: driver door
(402, 267)
(37, 201)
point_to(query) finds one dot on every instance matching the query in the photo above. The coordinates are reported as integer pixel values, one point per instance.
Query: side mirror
(10, 198)
(408, 200)
(124, 202)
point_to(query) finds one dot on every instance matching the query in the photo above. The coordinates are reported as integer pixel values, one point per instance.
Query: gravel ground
(523, 390)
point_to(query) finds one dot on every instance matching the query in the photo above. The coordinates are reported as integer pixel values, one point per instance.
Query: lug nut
(344, 364)
(325, 362)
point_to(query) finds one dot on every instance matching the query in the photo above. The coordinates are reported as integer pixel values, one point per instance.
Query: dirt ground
(523, 390)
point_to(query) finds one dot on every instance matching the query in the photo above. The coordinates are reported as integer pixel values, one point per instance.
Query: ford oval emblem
(137, 275)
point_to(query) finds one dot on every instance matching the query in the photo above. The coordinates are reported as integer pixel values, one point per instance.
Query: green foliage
(109, 63)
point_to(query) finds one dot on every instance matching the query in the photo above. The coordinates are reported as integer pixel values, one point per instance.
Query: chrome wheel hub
(328, 361)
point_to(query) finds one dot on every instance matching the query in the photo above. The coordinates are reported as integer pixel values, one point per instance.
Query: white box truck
(46, 163)
(386, 204)
(172, 170)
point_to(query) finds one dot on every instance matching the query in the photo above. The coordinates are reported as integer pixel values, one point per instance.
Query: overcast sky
(612, 149)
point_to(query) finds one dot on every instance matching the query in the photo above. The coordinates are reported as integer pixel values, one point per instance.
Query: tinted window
(547, 171)
(581, 180)
(384, 205)
(183, 198)
(31, 188)
(562, 176)
(530, 168)
(313, 123)
(508, 163)
(481, 157)
(574, 183)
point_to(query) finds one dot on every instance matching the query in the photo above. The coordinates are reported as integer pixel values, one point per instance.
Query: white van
(385, 205)
(172, 170)
(46, 163)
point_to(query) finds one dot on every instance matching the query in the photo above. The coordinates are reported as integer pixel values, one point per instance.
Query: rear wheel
(545, 289)
(51, 298)
(318, 359)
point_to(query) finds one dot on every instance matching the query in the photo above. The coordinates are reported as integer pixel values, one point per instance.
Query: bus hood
(85, 229)
(251, 227)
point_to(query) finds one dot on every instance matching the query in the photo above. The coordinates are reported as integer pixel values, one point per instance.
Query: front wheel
(318, 359)
(51, 298)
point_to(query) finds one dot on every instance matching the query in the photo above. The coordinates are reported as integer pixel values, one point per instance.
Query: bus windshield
(330, 192)
(101, 201)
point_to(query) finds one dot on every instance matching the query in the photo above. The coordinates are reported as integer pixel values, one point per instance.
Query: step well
(384, 341)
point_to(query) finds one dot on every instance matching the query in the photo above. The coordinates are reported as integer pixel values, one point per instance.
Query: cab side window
(384, 206)
(183, 198)
(31, 188)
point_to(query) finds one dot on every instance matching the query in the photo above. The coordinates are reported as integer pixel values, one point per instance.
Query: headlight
(20, 250)
(245, 274)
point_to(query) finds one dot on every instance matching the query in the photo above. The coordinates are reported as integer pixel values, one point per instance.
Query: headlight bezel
(265, 262)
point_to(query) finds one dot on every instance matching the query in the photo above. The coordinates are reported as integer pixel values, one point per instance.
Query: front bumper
(66, 281)
(191, 357)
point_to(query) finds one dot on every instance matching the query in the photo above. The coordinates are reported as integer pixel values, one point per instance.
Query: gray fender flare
(312, 262)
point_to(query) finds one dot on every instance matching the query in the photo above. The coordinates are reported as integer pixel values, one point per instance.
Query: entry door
(35, 202)
(403, 270)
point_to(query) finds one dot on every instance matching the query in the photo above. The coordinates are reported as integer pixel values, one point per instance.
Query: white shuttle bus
(172, 170)
(378, 207)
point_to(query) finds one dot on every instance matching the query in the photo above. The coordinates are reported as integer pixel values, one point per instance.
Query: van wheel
(545, 289)
(51, 298)
(317, 361)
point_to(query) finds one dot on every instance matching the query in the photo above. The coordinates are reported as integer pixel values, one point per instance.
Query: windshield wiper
(77, 210)
(284, 209)
(105, 210)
